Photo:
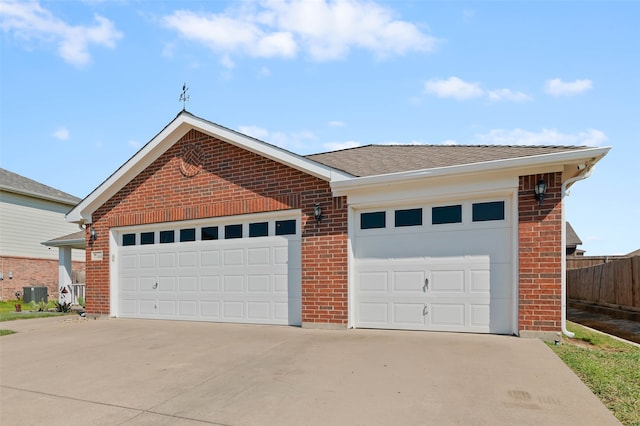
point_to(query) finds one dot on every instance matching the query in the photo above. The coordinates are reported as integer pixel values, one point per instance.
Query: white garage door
(244, 280)
(444, 267)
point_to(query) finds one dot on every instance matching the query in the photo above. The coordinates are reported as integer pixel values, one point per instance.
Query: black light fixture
(317, 212)
(93, 235)
(540, 189)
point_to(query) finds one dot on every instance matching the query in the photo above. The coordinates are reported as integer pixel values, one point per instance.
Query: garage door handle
(154, 286)
(425, 287)
(425, 310)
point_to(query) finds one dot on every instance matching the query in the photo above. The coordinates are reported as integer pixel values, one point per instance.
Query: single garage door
(444, 267)
(243, 276)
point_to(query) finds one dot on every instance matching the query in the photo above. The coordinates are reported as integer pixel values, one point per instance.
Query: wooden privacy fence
(615, 284)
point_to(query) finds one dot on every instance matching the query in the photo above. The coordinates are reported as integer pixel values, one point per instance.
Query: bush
(63, 307)
(81, 301)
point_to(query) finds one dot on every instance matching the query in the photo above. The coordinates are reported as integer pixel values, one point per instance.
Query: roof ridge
(27, 186)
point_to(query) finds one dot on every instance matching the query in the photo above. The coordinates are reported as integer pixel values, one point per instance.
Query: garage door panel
(443, 281)
(209, 258)
(281, 283)
(166, 260)
(188, 259)
(188, 283)
(408, 281)
(147, 307)
(374, 314)
(373, 282)
(258, 311)
(209, 283)
(167, 308)
(233, 310)
(129, 261)
(447, 314)
(480, 315)
(147, 260)
(233, 257)
(210, 310)
(408, 314)
(259, 256)
(166, 284)
(480, 282)
(233, 283)
(258, 283)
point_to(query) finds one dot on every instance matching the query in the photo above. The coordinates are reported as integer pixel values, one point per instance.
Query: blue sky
(84, 84)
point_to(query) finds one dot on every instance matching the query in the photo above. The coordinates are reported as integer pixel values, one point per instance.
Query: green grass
(610, 368)
(4, 332)
(8, 311)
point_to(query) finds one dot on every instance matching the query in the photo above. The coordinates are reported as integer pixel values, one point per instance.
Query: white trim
(171, 134)
(551, 162)
(515, 264)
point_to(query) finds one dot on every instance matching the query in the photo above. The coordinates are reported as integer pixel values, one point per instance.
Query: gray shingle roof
(13, 182)
(370, 160)
(572, 238)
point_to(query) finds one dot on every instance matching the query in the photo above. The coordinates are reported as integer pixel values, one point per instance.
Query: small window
(286, 227)
(373, 220)
(446, 214)
(209, 233)
(167, 237)
(410, 217)
(187, 234)
(488, 211)
(147, 238)
(232, 231)
(260, 229)
(129, 239)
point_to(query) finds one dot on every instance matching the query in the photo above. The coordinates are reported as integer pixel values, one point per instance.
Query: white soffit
(523, 165)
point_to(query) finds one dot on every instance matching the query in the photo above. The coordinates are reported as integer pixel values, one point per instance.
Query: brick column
(540, 258)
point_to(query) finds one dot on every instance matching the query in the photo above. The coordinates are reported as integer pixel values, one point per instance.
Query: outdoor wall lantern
(317, 212)
(540, 189)
(93, 235)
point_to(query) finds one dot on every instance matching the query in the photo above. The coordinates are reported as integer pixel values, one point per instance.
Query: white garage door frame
(293, 268)
(426, 197)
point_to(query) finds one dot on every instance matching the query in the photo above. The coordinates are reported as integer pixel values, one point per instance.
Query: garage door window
(410, 217)
(260, 229)
(129, 239)
(488, 211)
(187, 234)
(232, 231)
(285, 227)
(373, 220)
(446, 214)
(209, 233)
(147, 238)
(167, 237)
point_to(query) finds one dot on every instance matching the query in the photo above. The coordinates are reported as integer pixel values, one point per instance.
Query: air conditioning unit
(35, 294)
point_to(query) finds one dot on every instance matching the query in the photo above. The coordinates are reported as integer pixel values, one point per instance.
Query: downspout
(563, 290)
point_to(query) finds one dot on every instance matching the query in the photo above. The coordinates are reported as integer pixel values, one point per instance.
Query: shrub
(63, 307)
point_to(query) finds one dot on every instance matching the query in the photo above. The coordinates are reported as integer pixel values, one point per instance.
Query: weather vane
(184, 98)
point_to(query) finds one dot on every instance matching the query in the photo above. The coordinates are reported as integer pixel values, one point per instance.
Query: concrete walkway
(134, 372)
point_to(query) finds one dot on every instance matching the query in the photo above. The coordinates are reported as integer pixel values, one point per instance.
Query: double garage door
(435, 267)
(236, 276)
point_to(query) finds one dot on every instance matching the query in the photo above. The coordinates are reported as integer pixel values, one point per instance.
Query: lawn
(610, 368)
(8, 313)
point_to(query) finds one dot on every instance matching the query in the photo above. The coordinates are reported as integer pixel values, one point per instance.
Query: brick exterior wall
(31, 272)
(540, 255)
(201, 177)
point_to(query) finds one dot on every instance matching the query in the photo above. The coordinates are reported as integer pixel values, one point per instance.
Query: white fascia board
(175, 130)
(523, 165)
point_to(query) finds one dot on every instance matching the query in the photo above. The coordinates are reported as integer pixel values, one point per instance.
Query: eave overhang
(582, 161)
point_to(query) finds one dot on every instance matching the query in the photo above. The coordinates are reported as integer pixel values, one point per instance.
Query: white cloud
(324, 30)
(264, 72)
(589, 137)
(226, 62)
(62, 133)
(449, 142)
(337, 146)
(507, 95)
(557, 87)
(456, 88)
(134, 144)
(336, 123)
(453, 87)
(29, 20)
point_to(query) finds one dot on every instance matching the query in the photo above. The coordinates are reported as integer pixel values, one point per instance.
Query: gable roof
(371, 160)
(13, 182)
(176, 129)
(75, 240)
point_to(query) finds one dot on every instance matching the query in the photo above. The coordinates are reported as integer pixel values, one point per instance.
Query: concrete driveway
(136, 372)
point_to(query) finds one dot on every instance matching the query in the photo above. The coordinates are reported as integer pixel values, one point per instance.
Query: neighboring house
(30, 213)
(207, 224)
(573, 241)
